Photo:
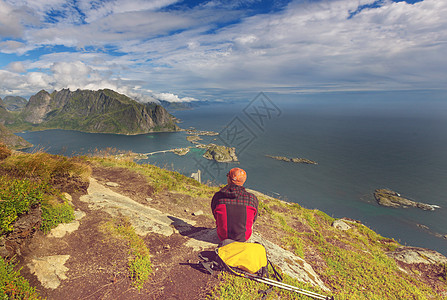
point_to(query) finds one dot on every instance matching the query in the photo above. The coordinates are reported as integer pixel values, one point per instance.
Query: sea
(362, 141)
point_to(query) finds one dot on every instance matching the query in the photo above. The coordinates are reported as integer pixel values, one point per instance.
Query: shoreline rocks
(294, 160)
(201, 132)
(389, 198)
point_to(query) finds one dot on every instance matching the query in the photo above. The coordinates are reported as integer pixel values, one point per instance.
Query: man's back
(235, 211)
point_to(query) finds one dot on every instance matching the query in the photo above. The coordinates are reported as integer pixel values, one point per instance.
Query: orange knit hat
(237, 176)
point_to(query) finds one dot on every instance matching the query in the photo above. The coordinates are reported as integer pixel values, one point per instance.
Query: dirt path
(82, 260)
(87, 263)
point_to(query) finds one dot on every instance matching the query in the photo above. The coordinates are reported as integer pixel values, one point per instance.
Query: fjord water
(361, 141)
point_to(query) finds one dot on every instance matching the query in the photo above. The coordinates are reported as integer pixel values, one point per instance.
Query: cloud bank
(183, 51)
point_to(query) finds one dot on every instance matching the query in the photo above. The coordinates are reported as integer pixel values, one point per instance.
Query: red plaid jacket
(235, 211)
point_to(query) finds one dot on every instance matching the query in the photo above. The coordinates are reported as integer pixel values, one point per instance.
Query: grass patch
(353, 262)
(237, 288)
(4, 151)
(45, 167)
(160, 179)
(54, 214)
(139, 264)
(14, 286)
(17, 196)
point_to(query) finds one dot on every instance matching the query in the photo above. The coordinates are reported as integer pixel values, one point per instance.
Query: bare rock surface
(289, 263)
(50, 270)
(144, 218)
(64, 228)
(416, 255)
(341, 225)
(390, 198)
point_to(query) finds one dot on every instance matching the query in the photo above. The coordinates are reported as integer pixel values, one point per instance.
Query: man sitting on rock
(234, 209)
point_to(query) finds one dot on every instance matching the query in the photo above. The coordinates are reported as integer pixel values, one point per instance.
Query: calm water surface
(361, 141)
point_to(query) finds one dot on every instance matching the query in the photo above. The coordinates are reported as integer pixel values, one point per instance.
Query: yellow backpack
(249, 257)
(249, 260)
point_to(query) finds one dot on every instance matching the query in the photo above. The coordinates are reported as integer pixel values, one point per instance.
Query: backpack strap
(209, 265)
(275, 273)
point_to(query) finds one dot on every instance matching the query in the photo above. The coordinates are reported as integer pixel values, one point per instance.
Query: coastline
(307, 181)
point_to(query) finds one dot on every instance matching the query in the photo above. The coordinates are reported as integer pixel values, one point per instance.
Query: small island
(193, 139)
(294, 160)
(219, 153)
(194, 131)
(181, 151)
(389, 198)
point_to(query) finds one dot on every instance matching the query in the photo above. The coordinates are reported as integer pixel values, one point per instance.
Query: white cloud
(310, 45)
(317, 44)
(95, 10)
(172, 97)
(17, 67)
(14, 18)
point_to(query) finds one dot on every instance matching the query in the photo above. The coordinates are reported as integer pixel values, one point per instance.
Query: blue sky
(194, 49)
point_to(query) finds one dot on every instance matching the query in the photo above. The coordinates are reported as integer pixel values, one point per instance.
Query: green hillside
(103, 111)
(354, 263)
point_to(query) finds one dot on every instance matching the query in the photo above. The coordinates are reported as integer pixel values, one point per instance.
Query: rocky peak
(96, 111)
(37, 107)
(14, 103)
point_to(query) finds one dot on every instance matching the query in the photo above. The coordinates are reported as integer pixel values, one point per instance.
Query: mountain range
(14, 103)
(103, 111)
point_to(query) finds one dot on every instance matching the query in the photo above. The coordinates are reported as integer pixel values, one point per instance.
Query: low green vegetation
(353, 263)
(139, 264)
(27, 182)
(159, 179)
(12, 285)
(55, 214)
(17, 197)
(45, 167)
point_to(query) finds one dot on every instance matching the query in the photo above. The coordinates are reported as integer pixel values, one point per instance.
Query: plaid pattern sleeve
(234, 194)
(235, 211)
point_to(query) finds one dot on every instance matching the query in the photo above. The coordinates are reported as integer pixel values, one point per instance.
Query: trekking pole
(288, 287)
(282, 284)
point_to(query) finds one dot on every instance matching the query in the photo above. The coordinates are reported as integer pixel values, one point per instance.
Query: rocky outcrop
(341, 225)
(38, 107)
(416, 255)
(11, 140)
(219, 153)
(49, 270)
(297, 160)
(24, 228)
(193, 139)
(14, 103)
(390, 198)
(5, 116)
(103, 111)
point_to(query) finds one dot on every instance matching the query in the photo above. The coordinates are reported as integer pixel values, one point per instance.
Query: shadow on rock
(200, 237)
